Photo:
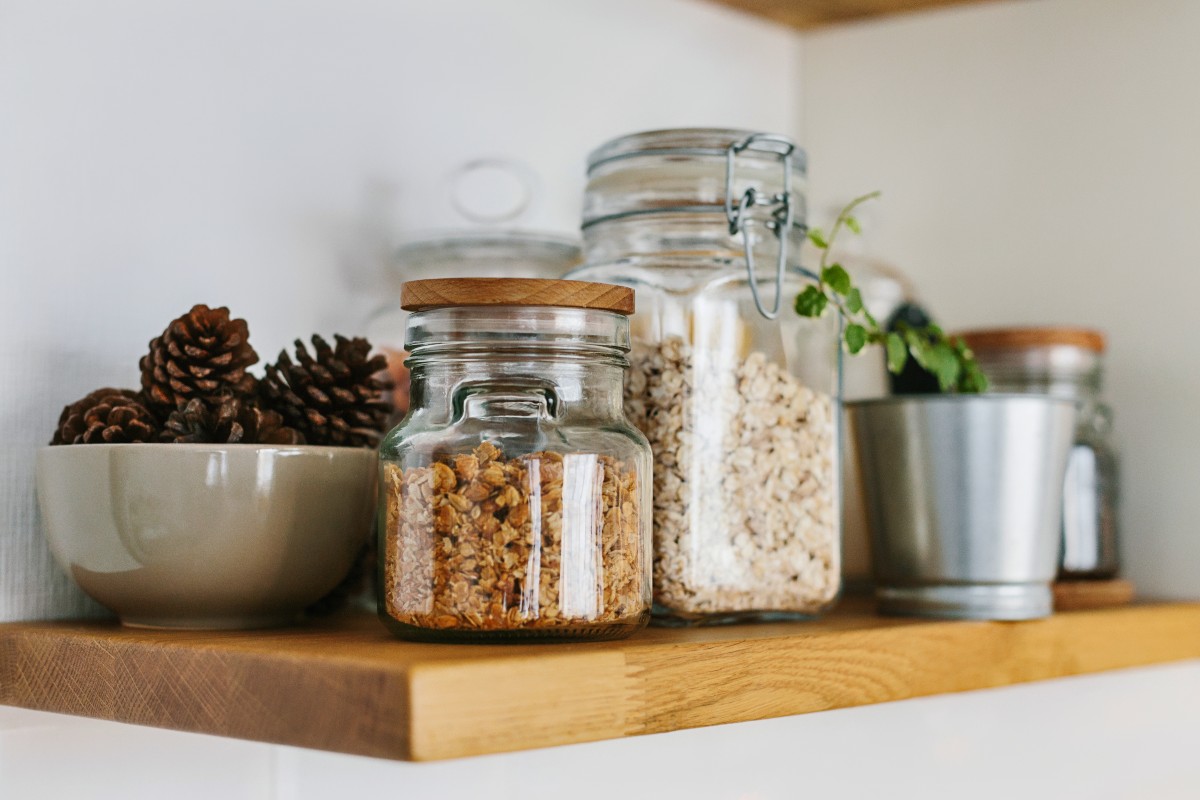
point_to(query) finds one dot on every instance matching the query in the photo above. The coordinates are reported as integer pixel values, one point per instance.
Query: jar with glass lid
(515, 495)
(1066, 362)
(738, 394)
(481, 253)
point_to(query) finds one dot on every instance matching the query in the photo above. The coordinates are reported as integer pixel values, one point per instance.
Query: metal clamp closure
(781, 206)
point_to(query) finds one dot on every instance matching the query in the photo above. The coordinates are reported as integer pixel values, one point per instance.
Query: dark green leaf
(897, 353)
(856, 338)
(817, 237)
(811, 302)
(854, 303)
(837, 278)
(852, 224)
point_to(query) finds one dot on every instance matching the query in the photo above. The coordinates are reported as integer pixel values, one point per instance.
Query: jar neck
(700, 235)
(509, 360)
(517, 384)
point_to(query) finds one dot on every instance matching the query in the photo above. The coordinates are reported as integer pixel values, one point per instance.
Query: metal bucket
(964, 501)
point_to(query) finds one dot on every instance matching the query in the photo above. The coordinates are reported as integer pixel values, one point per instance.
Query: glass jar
(515, 495)
(461, 254)
(1067, 362)
(738, 395)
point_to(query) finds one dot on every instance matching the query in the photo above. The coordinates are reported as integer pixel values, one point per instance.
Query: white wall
(267, 156)
(1040, 164)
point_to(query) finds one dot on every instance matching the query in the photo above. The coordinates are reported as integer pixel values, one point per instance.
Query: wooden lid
(466, 292)
(1028, 338)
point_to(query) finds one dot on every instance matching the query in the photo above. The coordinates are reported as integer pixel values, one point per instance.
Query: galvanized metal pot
(964, 501)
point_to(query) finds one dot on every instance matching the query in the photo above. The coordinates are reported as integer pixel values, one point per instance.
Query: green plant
(947, 357)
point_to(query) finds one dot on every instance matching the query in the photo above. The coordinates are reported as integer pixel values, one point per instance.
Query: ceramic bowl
(206, 536)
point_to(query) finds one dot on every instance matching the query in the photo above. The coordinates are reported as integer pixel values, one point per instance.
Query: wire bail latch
(782, 209)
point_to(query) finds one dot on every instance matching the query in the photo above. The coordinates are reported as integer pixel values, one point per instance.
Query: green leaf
(817, 237)
(856, 338)
(946, 365)
(973, 380)
(918, 346)
(811, 302)
(897, 353)
(852, 224)
(854, 303)
(837, 278)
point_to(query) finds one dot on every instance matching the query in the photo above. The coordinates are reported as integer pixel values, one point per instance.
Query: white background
(1039, 163)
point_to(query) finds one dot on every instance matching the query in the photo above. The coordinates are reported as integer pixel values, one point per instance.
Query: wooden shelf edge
(347, 686)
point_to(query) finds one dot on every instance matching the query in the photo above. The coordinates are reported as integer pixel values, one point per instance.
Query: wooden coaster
(1081, 595)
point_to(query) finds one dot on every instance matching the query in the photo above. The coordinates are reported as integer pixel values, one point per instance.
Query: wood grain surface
(453, 292)
(806, 14)
(347, 685)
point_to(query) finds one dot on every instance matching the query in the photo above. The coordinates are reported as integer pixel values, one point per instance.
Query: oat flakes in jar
(515, 495)
(738, 395)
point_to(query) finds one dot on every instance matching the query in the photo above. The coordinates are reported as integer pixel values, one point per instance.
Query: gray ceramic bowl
(206, 536)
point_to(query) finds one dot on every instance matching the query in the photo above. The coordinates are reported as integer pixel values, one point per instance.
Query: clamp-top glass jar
(737, 393)
(1066, 362)
(515, 493)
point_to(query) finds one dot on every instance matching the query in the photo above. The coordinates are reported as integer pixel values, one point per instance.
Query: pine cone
(106, 416)
(227, 420)
(202, 354)
(334, 398)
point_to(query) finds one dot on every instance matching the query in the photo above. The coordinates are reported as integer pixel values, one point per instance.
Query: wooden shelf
(808, 14)
(346, 685)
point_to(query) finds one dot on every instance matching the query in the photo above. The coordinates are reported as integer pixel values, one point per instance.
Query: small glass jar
(738, 395)
(484, 253)
(1066, 362)
(515, 495)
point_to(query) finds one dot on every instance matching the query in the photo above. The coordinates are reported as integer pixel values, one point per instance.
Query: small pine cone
(202, 354)
(335, 397)
(106, 416)
(227, 420)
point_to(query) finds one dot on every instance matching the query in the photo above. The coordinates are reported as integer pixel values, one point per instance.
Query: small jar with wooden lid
(515, 495)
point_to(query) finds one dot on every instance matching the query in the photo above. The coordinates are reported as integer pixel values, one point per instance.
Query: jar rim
(698, 142)
(487, 331)
(509, 243)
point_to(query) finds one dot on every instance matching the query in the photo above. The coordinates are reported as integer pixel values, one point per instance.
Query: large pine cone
(335, 397)
(106, 416)
(202, 354)
(227, 420)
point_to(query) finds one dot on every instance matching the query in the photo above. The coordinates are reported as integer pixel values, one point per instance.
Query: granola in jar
(480, 542)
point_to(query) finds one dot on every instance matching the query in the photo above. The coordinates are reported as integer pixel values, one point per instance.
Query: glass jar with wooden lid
(515, 495)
